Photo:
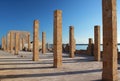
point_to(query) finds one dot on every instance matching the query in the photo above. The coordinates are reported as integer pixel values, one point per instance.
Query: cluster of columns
(109, 41)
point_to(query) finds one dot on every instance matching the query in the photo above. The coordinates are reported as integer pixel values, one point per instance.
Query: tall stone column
(36, 40)
(110, 67)
(19, 42)
(97, 43)
(11, 42)
(8, 42)
(22, 43)
(29, 42)
(71, 41)
(16, 43)
(3, 43)
(43, 42)
(57, 39)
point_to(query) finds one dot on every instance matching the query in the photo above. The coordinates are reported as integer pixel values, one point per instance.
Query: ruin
(72, 42)
(90, 47)
(16, 43)
(36, 40)
(43, 42)
(57, 41)
(110, 72)
(97, 43)
(29, 45)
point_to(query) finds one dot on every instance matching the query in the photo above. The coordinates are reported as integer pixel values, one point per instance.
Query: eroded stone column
(110, 67)
(19, 42)
(43, 42)
(36, 40)
(22, 43)
(72, 41)
(8, 42)
(90, 47)
(29, 42)
(16, 43)
(2, 43)
(11, 42)
(57, 39)
(97, 43)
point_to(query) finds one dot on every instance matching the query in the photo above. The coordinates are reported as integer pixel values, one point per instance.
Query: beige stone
(57, 39)
(8, 42)
(22, 43)
(29, 42)
(110, 67)
(71, 41)
(16, 43)
(43, 42)
(2, 42)
(11, 42)
(36, 40)
(97, 43)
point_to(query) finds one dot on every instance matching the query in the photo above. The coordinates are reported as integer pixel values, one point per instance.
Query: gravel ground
(22, 68)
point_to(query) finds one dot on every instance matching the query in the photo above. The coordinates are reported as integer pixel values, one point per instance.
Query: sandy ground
(22, 68)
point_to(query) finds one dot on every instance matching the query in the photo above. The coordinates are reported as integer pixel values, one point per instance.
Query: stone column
(36, 40)
(43, 42)
(2, 43)
(71, 41)
(19, 42)
(11, 42)
(5, 44)
(110, 67)
(90, 47)
(16, 43)
(29, 42)
(22, 43)
(97, 43)
(57, 39)
(8, 42)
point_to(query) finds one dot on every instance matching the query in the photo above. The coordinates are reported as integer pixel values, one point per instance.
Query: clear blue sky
(82, 14)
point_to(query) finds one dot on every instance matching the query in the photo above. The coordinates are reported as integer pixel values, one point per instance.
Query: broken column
(43, 42)
(16, 43)
(97, 43)
(57, 38)
(90, 47)
(71, 41)
(110, 67)
(36, 40)
(29, 42)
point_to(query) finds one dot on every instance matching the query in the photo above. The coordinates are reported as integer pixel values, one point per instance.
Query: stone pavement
(22, 68)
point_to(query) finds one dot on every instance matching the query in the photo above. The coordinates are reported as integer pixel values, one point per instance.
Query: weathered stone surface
(11, 42)
(16, 43)
(43, 42)
(97, 43)
(90, 47)
(36, 40)
(2, 42)
(29, 45)
(110, 72)
(8, 42)
(71, 42)
(22, 43)
(57, 39)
